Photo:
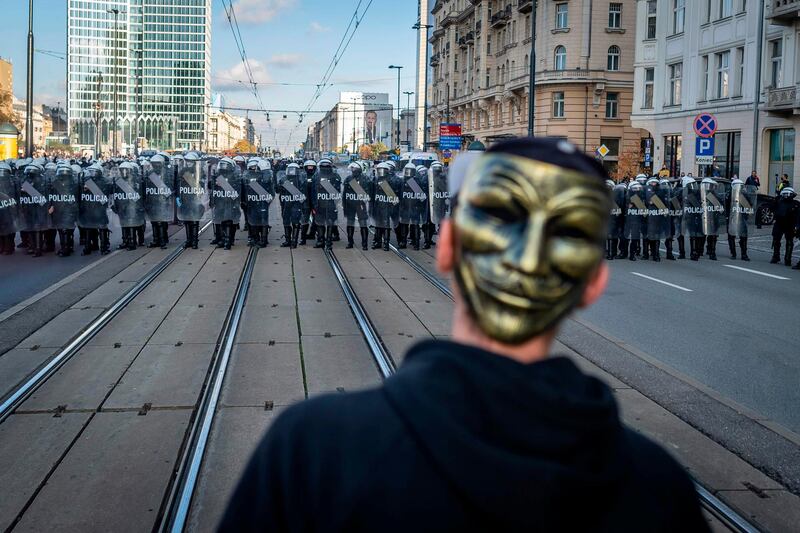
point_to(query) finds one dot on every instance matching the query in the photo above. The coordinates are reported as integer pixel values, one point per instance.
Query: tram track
(23, 391)
(713, 505)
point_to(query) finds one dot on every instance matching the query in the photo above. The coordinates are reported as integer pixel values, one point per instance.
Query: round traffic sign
(705, 125)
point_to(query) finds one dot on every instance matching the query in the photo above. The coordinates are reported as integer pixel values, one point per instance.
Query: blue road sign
(704, 151)
(705, 125)
(450, 142)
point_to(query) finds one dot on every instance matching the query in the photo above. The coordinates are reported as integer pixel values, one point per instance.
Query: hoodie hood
(515, 440)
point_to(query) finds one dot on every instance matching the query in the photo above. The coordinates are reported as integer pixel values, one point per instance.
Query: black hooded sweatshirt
(460, 439)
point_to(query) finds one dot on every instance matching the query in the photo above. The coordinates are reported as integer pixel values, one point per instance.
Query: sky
(289, 45)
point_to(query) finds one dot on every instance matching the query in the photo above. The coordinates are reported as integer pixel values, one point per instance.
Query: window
(776, 62)
(727, 146)
(739, 81)
(558, 105)
(673, 150)
(488, 44)
(725, 8)
(708, 11)
(614, 15)
(652, 8)
(561, 58)
(781, 156)
(487, 78)
(613, 58)
(562, 16)
(675, 77)
(527, 26)
(723, 74)
(612, 105)
(678, 14)
(649, 77)
(611, 159)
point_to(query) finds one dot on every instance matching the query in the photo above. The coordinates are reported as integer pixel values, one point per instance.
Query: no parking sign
(705, 125)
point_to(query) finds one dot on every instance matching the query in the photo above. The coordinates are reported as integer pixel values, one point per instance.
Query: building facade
(358, 118)
(583, 71)
(734, 59)
(6, 86)
(225, 130)
(153, 58)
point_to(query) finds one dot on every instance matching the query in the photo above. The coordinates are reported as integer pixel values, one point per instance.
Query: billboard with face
(372, 115)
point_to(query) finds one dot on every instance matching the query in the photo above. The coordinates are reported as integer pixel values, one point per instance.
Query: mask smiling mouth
(516, 290)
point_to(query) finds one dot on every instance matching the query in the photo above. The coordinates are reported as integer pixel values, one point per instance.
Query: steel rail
(379, 352)
(24, 391)
(185, 481)
(716, 507)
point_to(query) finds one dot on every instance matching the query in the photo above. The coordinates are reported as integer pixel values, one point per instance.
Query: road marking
(757, 272)
(663, 282)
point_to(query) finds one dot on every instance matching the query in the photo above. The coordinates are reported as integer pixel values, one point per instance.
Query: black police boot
(295, 235)
(743, 248)
(131, 239)
(188, 228)
(62, 241)
(140, 234)
(634, 249)
(415, 236)
(23, 239)
(401, 233)
(231, 235)
(335, 233)
(195, 235)
(645, 250)
(623, 249)
(49, 244)
(797, 266)
(776, 250)
(287, 237)
(655, 253)
(262, 237)
(303, 234)
(156, 235)
(36, 238)
(350, 231)
(387, 236)
(70, 234)
(215, 240)
(376, 239)
(787, 256)
(329, 237)
(124, 236)
(320, 237)
(681, 247)
(732, 246)
(87, 241)
(668, 246)
(364, 238)
(105, 242)
(609, 256)
(712, 247)
(428, 231)
(163, 230)
(81, 236)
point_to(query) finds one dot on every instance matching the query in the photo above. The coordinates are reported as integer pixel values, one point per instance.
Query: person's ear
(445, 250)
(596, 286)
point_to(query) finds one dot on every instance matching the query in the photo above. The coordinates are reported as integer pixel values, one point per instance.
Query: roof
(8, 128)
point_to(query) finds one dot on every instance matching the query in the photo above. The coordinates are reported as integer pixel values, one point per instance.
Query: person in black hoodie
(487, 432)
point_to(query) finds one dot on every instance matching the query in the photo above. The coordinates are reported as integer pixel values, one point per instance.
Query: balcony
(478, 27)
(465, 14)
(466, 40)
(784, 12)
(525, 6)
(782, 100)
(436, 35)
(501, 18)
(435, 58)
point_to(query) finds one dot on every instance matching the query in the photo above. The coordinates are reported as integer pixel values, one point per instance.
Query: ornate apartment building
(480, 66)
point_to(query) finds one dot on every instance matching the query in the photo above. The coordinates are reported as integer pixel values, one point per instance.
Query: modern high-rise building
(149, 60)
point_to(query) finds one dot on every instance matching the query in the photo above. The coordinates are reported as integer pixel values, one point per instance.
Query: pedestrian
(664, 172)
(784, 183)
(786, 212)
(753, 180)
(488, 431)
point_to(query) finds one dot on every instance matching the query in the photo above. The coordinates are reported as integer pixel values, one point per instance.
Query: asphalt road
(730, 325)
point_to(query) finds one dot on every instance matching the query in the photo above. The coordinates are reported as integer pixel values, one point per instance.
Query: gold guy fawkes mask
(529, 234)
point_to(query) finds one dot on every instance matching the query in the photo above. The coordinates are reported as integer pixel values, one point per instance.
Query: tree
(377, 149)
(7, 113)
(365, 151)
(628, 165)
(244, 147)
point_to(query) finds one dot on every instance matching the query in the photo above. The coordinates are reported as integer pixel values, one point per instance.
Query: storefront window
(781, 156)
(727, 146)
(673, 150)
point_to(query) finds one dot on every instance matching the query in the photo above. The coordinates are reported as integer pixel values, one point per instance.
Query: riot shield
(692, 210)
(356, 199)
(192, 195)
(438, 193)
(33, 204)
(327, 196)
(128, 201)
(9, 201)
(616, 224)
(676, 211)
(713, 203)
(742, 214)
(635, 212)
(63, 195)
(225, 193)
(409, 196)
(159, 193)
(258, 193)
(96, 189)
(291, 196)
(658, 200)
(386, 198)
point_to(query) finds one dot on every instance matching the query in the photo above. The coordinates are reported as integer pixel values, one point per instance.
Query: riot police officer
(741, 215)
(438, 201)
(635, 218)
(385, 204)
(95, 193)
(675, 221)
(128, 202)
(225, 201)
(616, 225)
(159, 198)
(356, 203)
(714, 216)
(33, 207)
(308, 226)
(327, 196)
(657, 199)
(192, 196)
(9, 202)
(786, 214)
(257, 195)
(292, 200)
(63, 192)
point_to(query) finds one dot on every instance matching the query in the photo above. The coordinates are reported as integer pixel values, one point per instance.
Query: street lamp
(116, 13)
(29, 89)
(418, 26)
(398, 102)
(532, 73)
(408, 108)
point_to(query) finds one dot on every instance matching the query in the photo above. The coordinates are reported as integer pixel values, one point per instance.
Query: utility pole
(398, 103)
(114, 148)
(98, 109)
(29, 93)
(408, 108)
(532, 73)
(355, 99)
(418, 26)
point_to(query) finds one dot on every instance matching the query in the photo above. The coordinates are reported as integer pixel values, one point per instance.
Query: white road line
(663, 282)
(757, 272)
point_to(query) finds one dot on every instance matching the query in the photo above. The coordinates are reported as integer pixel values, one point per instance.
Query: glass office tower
(148, 59)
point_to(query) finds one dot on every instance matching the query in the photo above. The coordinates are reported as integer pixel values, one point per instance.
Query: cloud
(316, 27)
(235, 78)
(286, 60)
(259, 11)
